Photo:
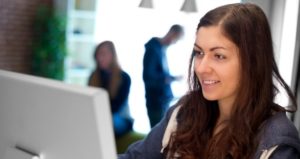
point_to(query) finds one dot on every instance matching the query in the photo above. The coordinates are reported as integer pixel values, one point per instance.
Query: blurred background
(56, 39)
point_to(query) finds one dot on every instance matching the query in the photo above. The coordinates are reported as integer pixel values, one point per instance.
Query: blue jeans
(121, 125)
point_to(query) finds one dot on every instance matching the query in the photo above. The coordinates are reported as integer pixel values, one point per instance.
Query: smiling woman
(217, 66)
(229, 111)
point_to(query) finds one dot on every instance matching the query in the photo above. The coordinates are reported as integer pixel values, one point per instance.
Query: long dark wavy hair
(247, 27)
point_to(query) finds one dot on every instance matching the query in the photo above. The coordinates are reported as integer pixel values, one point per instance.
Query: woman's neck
(225, 113)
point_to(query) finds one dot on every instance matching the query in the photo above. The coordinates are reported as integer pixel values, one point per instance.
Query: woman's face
(217, 65)
(104, 58)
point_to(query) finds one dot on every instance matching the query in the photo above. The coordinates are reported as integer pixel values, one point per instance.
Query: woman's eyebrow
(215, 48)
(197, 46)
(211, 49)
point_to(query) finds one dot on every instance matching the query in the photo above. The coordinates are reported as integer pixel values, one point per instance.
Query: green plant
(49, 45)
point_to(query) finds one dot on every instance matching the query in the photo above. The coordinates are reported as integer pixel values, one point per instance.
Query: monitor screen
(53, 120)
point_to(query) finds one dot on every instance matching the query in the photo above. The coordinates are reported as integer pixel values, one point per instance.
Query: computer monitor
(53, 120)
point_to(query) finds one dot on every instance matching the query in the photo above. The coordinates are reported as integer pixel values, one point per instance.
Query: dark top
(156, 75)
(278, 130)
(121, 99)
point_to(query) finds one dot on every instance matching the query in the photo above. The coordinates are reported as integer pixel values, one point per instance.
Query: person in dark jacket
(156, 75)
(109, 75)
(229, 111)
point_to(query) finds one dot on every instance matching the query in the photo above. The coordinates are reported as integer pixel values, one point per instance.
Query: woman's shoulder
(278, 130)
(279, 125)
(125, 76)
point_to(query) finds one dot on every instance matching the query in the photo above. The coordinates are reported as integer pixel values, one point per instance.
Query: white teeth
(209, 82)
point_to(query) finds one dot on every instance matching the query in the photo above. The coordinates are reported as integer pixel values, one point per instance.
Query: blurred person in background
(156, 75)
(109, 75)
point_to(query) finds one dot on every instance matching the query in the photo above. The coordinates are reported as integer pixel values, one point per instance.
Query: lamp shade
(146, 4)
(189, 6)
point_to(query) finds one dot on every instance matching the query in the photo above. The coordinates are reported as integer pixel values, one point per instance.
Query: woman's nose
(203, 65)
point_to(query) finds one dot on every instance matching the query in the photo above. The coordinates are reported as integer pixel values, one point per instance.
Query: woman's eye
(220, 57)
(198, 53)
